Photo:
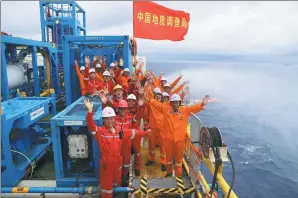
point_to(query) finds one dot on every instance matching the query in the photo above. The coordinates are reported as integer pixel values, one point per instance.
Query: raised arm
(173, 84)
(78, 70)
(158, 105)
(198, 107)
(89, 117)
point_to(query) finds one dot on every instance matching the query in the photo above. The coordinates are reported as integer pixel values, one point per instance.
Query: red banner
(156, 22)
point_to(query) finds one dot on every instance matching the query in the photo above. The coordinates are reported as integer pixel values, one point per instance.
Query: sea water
(256, 112)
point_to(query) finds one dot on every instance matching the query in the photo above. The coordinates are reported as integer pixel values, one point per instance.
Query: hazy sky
(215, 27)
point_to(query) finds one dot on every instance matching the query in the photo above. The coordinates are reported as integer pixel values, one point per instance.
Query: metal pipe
(45, 93)
(48, 69)
(80, 190)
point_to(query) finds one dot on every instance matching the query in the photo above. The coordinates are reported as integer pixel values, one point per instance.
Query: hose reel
(210, 138)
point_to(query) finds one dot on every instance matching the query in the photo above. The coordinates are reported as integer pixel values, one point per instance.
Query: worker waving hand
(110, 139)
(175, 124)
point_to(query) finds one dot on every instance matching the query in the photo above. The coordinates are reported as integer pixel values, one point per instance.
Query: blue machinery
(19, 75)
(63, 27)
(23, 143)
(76, 47)
(76, 153)
(59, 19)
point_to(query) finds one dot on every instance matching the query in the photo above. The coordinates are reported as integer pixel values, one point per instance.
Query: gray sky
(215, 27)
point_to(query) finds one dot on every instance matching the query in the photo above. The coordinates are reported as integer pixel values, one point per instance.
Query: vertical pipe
(126, 54)
(56, 136)
(42, 20)
(48, 67)
(4, 78)
(67, 72)
(73, 11)
(84, 22)
(35, 72)
(55, 64)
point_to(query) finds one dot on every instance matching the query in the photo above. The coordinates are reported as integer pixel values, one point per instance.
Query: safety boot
(148, 163)
(163, 167)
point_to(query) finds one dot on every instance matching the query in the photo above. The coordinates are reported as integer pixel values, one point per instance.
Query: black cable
(77, 179)
(233, 177)
(217, 163)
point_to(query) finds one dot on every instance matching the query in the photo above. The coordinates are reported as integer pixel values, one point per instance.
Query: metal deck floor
(44, 175)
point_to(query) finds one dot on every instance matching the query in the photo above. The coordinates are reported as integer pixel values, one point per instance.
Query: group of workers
(127, 98)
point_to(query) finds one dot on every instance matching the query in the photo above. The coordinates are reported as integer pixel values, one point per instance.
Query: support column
(35, 72)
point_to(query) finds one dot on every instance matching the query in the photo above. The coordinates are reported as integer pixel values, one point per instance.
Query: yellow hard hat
(118, 87)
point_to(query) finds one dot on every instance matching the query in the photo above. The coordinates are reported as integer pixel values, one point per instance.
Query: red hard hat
(122, 104)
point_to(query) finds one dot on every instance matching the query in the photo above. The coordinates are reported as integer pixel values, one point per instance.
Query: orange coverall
(128, 123)
(81, 79)
(139, 114)
(175, 126)
(126, 149)
(156, 123)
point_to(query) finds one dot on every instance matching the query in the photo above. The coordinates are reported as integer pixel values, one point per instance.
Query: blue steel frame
(77, 120)
(68, 13)
(70, 78)
(15, 41)
(20, 113)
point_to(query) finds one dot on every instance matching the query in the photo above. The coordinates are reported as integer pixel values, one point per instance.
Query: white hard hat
(92, 70)
(163, 78)
(126, 70)
(131, 97)
(157, 92)
(98, 65)
(167, 85)
(112, 65)
(82, 68)
(175, 97)
(108, 112)
(164, 94)
(106, 73)
(156, 89)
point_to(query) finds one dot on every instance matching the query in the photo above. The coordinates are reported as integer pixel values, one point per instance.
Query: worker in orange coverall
(109, 138)
(136, 113)
(80, 74)
(125, 121)
(91, 83)
(119, 94)
(156, 123)
(175, 125)
(123, 80)
(108, 82)
(165, 97)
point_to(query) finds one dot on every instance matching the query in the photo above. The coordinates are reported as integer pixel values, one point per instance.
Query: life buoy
(134, 50)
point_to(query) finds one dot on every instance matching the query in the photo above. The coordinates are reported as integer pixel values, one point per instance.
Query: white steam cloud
(265, 92)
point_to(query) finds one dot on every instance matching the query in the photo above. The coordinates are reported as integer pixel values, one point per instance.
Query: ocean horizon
(256, 115)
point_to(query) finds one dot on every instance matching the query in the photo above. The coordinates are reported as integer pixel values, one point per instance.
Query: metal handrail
(194, 128)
